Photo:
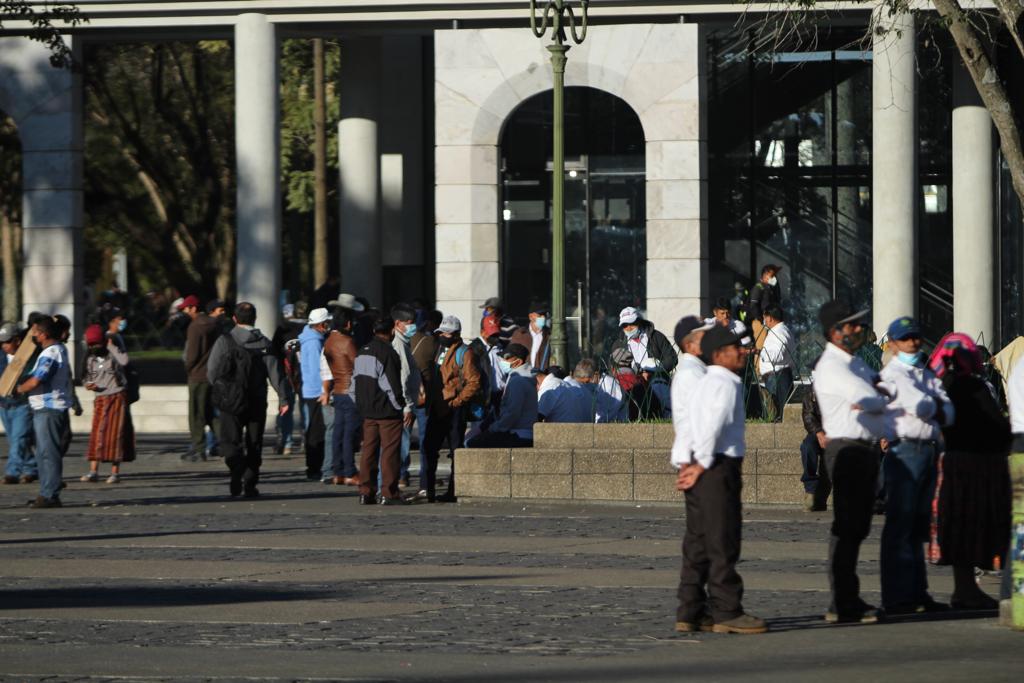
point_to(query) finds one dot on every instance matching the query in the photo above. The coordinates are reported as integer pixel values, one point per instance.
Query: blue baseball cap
(902, 328)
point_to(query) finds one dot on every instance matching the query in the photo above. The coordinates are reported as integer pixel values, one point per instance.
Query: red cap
(490, 326)
(189, 301)
(93, 335)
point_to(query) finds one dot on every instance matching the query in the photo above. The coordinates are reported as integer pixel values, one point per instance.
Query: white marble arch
(46, 104)
(482, 76)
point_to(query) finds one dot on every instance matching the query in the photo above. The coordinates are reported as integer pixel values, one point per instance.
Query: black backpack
(243, 372)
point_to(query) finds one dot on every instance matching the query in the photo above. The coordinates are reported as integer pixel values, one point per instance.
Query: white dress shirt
(842, 381)
(735, 326)
(1015, 395)
(716, 417)
(919, 397)
(689, 373)
(777, 352)
(537, 337)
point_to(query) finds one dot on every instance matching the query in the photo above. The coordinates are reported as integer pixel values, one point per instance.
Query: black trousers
(314, 437)
(853, 468)
(200, 414)
(711, 546)
(439, 427)
(241, 443)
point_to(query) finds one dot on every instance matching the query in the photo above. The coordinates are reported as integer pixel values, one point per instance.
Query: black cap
(538, 307)
(493, 302)
(773, 267)
(685, 326)
(214, 305)
(716, 338)
(835, 313)
(516, 351)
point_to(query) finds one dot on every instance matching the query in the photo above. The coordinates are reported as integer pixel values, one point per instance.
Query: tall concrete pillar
(894, 185)
(46, 104)
(258, 151)
(359, 169)
(973, 212)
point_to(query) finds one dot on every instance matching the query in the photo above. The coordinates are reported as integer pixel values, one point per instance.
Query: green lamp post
(557, 14)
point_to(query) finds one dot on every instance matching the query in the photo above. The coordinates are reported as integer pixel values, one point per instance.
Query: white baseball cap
(450, 324)
(628, 316)
(319, 315)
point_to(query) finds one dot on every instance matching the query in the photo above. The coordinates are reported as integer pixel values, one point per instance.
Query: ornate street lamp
(558, 13)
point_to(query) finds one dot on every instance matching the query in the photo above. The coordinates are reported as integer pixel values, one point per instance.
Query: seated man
(513, 427)
(603, 406)
(565, 402)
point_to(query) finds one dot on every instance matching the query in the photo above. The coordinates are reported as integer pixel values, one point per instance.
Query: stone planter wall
(623, 462)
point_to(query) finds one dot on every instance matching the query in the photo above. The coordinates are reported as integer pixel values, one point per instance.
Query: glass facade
(789, 153)
(605, 235)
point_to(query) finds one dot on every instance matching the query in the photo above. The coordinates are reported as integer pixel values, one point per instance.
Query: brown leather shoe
(28, 478)
(744, 623)
(41, 502)
(8, 479)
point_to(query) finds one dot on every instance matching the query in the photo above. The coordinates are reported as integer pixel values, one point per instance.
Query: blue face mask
(122, 326)
(505, 366)
(912, 359)
(631, 334)
(540, 322)
(410, 330)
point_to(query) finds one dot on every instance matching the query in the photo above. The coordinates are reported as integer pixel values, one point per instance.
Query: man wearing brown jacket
(202, 333)
(340, 355)
(454, 381)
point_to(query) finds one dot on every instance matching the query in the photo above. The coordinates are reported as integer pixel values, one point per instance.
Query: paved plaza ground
(162, 577)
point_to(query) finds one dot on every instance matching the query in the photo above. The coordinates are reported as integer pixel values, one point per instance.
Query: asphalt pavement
(163, 577)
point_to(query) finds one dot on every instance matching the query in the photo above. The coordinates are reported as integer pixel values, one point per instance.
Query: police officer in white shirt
(922, 407)
(776, 361)
(710, 474)
(855, 415)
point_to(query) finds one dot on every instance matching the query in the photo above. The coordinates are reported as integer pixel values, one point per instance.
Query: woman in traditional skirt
(112, 438)
(972, 524)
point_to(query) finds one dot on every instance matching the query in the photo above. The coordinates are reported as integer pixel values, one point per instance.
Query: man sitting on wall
(514, 426)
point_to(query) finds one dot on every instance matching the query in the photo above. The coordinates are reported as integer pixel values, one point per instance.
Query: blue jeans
(344, 441)
(49, 426)
(286, 425)
(17, 421)
(780, 386)
(421, 433)
(327, 469)
(910, 471)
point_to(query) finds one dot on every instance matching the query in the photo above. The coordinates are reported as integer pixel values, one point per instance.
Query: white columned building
(258, 153)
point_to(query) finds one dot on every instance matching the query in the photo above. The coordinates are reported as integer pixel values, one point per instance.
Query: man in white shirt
(921, 408)
(776, 362)
(691, 369)
(536, 337)
(855, 415)
(710, 474)
(721, 314)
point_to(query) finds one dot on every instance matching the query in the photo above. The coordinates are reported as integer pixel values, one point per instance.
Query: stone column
(46, 104)
(894, 183)
(973, 212)
(258, 147)
(359, 169)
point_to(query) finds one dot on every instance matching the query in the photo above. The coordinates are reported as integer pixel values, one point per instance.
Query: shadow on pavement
(817, 621)
(152, 596)
(147, 534)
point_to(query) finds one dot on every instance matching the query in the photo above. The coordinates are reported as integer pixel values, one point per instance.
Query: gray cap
(8, 331)
(450, 324)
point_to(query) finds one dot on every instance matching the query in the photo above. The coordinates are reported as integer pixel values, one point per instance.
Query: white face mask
(773, 281)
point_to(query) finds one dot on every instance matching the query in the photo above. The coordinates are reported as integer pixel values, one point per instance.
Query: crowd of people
(925, 435)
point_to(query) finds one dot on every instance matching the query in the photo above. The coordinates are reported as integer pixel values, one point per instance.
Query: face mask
(410, 330)
(540, 322)
(773, 281)
(505, 366)
(856, 340)
(632, 334)
(122, 326)
(912, 359)
(446, 341)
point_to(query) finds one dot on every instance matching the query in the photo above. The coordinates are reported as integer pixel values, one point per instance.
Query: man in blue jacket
(314, 397)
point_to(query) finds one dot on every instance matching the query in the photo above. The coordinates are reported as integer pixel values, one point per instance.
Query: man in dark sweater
(377, 384)
(202, 333)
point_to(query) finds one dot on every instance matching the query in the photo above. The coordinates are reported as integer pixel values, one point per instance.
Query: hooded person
(646, 344)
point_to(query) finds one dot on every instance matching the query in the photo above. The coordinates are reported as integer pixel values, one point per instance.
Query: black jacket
(377, 381)
(811, 412)
(762, 296)
(658, 346)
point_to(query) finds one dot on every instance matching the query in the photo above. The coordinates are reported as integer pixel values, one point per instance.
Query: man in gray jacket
(405, 328)
(240, 364)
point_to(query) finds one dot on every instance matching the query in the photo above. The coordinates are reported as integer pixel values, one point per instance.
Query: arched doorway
(605, 213)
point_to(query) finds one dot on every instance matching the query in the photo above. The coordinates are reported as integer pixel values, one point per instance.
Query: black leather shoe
(41, 502)
(367, 499)
(251, 492)
(235, 487)
(393, 501)
(447, 497)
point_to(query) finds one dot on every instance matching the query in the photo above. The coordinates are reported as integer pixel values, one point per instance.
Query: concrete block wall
(624, 462)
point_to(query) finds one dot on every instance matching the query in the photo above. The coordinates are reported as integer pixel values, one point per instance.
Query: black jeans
(241, 443)
(200, 414)
(815, 477)
(314, 438)
(439, 427)
(853, 469)
(711, 546)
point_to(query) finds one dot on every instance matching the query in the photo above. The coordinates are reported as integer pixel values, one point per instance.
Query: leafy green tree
(44, 25)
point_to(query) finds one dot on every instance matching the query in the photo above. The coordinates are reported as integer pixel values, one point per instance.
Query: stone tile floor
(163, 578)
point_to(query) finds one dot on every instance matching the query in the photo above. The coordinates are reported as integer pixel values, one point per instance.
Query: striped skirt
(112, 438)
